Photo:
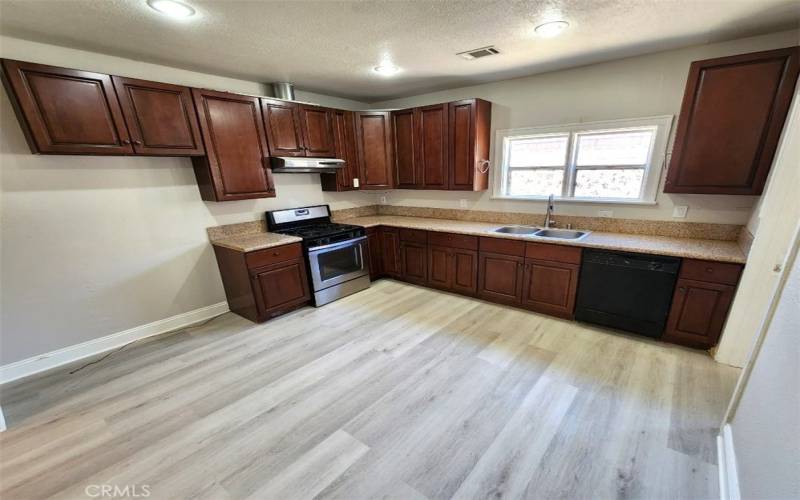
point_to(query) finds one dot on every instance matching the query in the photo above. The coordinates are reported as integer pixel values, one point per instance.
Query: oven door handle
(336, 245)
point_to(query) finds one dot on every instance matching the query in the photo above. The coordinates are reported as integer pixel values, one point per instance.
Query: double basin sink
(556, 234)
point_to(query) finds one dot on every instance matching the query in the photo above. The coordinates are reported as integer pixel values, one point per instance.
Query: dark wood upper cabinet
(66, 111)
(432, 150)
(317, 126)
(161, 118)
(234, 167)
(344, 140)
(469, 127)
(403, 125)
(282, 124)
(374, 147)
(731, 120)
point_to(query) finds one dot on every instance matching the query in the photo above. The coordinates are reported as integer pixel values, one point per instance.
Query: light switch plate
(383, 200)
(605, 213)
(462, 203)
(680, 211)
(355, 182)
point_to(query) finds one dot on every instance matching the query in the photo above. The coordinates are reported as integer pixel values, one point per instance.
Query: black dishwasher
(628, 291)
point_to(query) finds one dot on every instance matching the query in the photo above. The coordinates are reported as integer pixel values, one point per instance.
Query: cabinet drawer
(453, 240)
(503, 246)
(554, 253)
(273, 255)
(713, 272)
(415, 235)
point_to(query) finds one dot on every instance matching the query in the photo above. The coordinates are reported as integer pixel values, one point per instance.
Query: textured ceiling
(331, 46)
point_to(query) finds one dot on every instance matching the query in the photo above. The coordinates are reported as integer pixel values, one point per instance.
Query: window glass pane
(615, 148)
(538, 182)
(610, 183)
(544, 151)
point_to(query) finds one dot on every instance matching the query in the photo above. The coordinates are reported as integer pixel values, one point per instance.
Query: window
(616, 161)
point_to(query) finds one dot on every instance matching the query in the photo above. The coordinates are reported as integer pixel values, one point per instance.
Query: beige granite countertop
(722, 251)
(249, 242)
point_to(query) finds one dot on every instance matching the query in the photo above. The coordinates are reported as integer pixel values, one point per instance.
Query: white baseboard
(53, 359)
(2, 420)
(726, 458)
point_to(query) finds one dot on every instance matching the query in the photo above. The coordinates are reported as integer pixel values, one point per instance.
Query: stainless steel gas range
(336, 254)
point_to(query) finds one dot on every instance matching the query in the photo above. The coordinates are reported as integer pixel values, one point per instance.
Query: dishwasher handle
(668, 265)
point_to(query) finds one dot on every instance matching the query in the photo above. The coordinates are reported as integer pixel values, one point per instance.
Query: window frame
(652, 169)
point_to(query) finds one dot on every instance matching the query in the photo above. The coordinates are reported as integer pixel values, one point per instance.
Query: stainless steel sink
(561, 234)
(517, 229)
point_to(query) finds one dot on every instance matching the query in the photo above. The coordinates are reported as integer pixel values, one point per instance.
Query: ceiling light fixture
(171, 8)
(386, 68)
(551, 29)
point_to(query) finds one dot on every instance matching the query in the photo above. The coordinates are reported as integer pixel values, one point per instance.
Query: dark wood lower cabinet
(550, 287)
(375, 253)
(390, 245)
(698, 313)
(500, 277)
(414, 262)
(263, 284)
(453, 269)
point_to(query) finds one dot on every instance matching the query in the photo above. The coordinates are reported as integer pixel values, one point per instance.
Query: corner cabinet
(731, 119)
(374, 149)
(235, 165)
(66, 111)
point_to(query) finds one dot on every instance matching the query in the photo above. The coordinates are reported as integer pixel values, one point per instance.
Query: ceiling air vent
(478, 53)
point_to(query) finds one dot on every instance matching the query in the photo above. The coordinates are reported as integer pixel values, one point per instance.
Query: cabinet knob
(138, 143)
(126, 141)
(682, 290)
(275, 254)
(709, 269)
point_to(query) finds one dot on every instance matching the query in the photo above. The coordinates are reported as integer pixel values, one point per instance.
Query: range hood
(291, 165)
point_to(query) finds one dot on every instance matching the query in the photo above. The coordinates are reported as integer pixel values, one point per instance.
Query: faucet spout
(548, 220)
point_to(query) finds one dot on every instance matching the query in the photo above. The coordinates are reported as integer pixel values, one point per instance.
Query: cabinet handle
(682, 290)
(126, 141)
(275, 254)
(138, 143)
(709, 269)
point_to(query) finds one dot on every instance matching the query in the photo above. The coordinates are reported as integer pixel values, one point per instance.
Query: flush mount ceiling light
(386, 68)
(551, 29)
(171, 8)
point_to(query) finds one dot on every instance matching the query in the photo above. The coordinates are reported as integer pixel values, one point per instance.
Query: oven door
(338, 262)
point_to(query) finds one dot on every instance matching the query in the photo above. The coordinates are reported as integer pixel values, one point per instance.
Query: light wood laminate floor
(396, 392)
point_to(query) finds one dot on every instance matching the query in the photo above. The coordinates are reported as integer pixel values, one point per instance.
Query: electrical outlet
(680, 211)
(355, 182)
(383, 200)
(462, 203)
(605, 213)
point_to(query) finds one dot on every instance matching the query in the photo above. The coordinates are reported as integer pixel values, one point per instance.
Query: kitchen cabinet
(390, 246)
(265, 283)
(235, 165)
(500, 277)
(730, 122)
(404, 149)
(701, 302)
(344, 140)
(317, 126)
(283, 129)
(374, 149)
(453, 262)
(550, 287)
(161, 118)
(66, 111)
(469, 132)
(375, 252)
(413, 255)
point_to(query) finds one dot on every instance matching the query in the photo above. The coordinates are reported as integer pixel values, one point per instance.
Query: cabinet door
(698, 313)
(440, 269)
(550, 287)
(469, 125)
(404, 149)
(414, 262)
(66, 111)
(431, 147)
(344, 140)
(731, 119)
(282, 123)
(375, 156)
(500, 277)
(464, 267)
(375, 253)
(234, 165)
(390, 245)
(317, 126)
(280, 287)
(160, 117)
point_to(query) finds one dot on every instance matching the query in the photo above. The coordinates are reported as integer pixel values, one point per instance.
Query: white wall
(766, 423)
(641, 86)
(774, 220)
(96, 245)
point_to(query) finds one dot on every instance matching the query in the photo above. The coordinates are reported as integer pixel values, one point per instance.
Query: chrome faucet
(548, 221)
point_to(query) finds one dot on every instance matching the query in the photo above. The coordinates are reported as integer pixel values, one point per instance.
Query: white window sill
(598, 201)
